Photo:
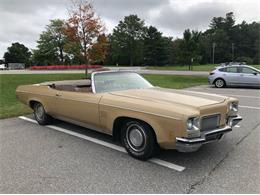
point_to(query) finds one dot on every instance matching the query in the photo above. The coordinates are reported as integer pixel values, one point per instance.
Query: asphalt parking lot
(64, 158)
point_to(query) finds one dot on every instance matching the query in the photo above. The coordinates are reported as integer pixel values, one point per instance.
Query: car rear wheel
(40, 115)
(220, 83)
(139, 140)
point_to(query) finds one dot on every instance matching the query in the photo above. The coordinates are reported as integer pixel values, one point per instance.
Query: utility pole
(233, 49)
(213, 52)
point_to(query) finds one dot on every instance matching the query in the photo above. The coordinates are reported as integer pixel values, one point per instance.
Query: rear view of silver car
(234, 75)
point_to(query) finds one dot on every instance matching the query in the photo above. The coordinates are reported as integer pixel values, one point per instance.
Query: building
(13, 66)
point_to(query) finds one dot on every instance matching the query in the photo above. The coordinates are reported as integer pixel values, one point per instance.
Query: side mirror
(255, 73)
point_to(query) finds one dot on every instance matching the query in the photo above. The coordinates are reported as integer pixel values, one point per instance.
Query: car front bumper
(193, 144)
(211, 80)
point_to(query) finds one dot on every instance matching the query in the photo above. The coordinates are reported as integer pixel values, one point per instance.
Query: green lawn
(206, 67)
(10, 107)
(176, 81)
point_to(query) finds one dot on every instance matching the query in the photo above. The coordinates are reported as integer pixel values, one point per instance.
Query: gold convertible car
(128, 107)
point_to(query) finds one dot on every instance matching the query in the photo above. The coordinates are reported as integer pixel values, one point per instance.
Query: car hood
(171, 96)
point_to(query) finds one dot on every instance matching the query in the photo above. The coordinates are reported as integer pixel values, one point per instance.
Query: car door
(78, 107)
(249, 76)
(231, 75)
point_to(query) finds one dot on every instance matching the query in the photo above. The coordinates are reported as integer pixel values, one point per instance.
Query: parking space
(66, 158)
(248, 97)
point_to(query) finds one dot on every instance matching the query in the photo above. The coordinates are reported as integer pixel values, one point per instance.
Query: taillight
(211, 73)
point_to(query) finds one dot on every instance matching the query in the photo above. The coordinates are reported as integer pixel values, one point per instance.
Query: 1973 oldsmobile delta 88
(126, 106)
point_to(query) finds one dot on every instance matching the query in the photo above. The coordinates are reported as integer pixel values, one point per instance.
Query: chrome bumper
(232, 121)
(193, 144)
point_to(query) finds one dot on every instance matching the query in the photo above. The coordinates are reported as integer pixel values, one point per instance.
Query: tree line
(81, 39)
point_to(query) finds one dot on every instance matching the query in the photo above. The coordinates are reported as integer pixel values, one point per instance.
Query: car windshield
(118, 81)
(255, 69)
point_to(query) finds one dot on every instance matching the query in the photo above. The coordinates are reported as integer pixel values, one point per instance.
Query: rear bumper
(193, 144)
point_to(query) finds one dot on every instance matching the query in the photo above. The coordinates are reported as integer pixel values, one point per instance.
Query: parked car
(234, 75)
(128, 107)
(3, 67)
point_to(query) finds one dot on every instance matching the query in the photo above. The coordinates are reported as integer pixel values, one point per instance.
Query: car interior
(83, 85)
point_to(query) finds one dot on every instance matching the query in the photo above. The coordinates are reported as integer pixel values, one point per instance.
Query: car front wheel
(40, 115)
(220, 83)
(139, 140)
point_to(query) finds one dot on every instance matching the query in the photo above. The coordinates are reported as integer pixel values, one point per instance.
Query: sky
(23, 20)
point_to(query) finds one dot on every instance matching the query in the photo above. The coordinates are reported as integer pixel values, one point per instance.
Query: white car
(3, 67)
(234, 75)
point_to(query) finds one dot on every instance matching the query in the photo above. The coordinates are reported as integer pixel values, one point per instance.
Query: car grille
(210, 122)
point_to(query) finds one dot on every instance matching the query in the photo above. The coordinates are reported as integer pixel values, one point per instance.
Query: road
(140, 70)
(65, 158)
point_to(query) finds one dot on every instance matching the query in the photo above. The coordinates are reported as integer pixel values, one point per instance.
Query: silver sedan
(234, 75)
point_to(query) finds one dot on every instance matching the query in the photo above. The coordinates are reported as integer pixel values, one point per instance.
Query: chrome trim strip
(235, 120)
(194, 140)
(221, 130)
(203, 139)
(140, 111)
(92, 83)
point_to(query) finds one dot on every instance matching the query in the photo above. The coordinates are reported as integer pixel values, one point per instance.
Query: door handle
(58, 95)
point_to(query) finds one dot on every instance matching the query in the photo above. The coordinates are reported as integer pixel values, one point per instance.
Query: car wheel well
(118, 123)
(32, 103)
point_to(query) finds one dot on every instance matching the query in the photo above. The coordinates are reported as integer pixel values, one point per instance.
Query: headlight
(193, 124)
(233, 108)
(189, 124)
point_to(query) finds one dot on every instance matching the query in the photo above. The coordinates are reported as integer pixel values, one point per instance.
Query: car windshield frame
(94, 88)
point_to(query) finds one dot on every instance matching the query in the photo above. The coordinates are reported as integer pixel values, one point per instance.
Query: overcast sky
(23, 20)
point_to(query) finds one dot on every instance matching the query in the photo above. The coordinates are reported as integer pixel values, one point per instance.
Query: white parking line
(243, 96)
(224, 89)
(250, 107)
(106, 144)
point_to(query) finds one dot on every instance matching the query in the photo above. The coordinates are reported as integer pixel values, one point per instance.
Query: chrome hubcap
(39, 111)
(135, 137)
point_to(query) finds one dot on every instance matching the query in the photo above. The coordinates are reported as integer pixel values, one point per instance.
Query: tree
(56, 29)
(98, 51)
(154, 47)
(83, 26)
(50, 48)
(17, 53)
(127, 40)
(189, 47)
(246, 39)
(221, 34)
